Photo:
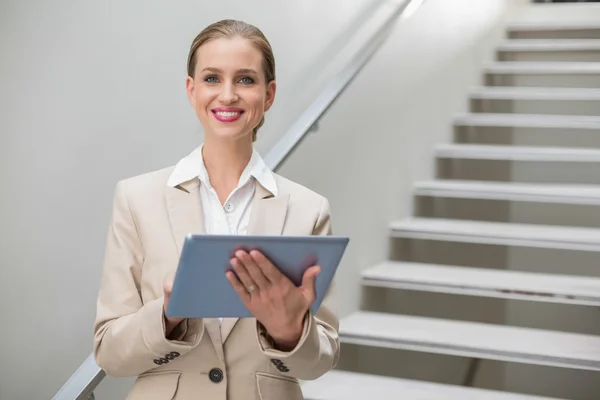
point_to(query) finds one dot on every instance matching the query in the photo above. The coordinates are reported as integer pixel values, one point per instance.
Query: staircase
(545, 87)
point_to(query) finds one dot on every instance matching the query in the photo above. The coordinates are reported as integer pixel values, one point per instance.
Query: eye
(211, 79)
(246, 80)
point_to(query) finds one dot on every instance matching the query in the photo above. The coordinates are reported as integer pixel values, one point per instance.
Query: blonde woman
(222, 187)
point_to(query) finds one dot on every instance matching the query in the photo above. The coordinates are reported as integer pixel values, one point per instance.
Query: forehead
(229, 54)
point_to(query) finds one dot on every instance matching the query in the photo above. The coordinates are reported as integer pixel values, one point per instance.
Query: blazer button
(215, 375)
(157, 362)
(175, 354)
(164, 360)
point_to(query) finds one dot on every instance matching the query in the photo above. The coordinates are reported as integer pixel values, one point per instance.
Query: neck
(225, 160)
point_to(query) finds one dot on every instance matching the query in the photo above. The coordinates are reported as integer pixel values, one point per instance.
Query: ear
(190, 89)
(270, 98)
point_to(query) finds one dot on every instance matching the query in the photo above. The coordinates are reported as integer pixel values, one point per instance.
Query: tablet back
(201, 289)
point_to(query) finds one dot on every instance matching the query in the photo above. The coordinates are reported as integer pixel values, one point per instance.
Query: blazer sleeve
(129, 335)
(318, 350)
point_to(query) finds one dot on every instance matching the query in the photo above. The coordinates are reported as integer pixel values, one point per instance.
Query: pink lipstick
(227, 114)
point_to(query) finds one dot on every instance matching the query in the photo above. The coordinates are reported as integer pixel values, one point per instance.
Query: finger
(238, 287)
(309, 282)
(167, 288)
(242, 274)
(254, 270)
(268, 269)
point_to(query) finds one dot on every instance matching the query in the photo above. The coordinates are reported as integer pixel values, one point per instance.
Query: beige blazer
(203, 360)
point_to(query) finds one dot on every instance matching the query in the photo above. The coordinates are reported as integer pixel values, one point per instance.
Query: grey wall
(92, 92)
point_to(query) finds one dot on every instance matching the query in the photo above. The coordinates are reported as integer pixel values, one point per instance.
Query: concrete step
(517, 153)
(484, 282)
(536, 93)
(554, 30)
(342, 385)
(552, 26)
(568, 70)
(546, 45)
(471, 339)
(586, 122)
(544, 68)
(511, 191)
(497, 233)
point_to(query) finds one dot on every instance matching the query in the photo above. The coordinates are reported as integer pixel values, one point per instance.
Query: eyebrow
(239, 71)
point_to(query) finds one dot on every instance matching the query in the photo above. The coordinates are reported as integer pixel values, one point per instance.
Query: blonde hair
(229, 28)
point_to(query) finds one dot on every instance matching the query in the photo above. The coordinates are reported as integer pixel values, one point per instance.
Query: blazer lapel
(267, 218)
(185, 212)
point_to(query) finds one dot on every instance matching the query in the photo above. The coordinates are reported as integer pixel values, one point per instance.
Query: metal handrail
(308, 120)
(84, 381)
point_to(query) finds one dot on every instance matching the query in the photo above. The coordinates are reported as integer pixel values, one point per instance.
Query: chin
(229, 133)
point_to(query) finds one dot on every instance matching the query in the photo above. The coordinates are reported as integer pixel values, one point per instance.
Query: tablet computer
(201, 289)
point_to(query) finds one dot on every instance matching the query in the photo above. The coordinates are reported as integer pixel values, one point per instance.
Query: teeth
(227, 114)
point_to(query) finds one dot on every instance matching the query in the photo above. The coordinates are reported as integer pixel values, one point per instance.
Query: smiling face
(228, 89)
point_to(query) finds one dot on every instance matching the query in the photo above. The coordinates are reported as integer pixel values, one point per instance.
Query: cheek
(257, 102)
(204, 97)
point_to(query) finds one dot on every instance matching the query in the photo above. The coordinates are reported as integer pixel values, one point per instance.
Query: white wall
(92, 92)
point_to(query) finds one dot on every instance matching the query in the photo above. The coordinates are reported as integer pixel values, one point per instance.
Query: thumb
(308, 281)
(167, 288)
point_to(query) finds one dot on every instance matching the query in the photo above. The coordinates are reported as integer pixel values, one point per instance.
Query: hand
(170, 323)
(271, 297)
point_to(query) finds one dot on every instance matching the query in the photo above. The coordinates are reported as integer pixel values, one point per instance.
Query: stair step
(552, 26)
(517, 153)
(535, 45)
(536, 93)
(511, 191)
(508, 284)
(543, 67)
(472, 339)
(528, 121)
(498, 233)
(343, 385)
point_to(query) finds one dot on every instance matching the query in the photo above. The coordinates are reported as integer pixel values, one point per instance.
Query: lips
(227, 114)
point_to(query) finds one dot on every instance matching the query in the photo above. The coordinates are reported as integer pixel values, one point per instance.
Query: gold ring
(251, 288)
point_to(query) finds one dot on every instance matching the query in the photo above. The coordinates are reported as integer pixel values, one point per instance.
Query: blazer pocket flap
(274, 387)
(155, 386)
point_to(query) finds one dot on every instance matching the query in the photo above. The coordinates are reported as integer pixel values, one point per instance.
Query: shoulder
(144, 185)
(301, 195)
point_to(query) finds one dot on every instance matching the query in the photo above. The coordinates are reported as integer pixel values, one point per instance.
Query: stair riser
(537, 106)
(528, 136)
(467, 352)
(529, 212)
(529, 259)
(473, 291)
(556, 34)
(533, 56)
(581, 318)
(519, 171)
(543, 80)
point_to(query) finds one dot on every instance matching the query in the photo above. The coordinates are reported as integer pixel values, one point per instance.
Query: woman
(223, 187)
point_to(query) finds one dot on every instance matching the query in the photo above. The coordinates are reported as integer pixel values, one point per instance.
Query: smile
(227, 115)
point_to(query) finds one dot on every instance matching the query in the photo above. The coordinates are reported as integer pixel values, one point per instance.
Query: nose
(228, 94)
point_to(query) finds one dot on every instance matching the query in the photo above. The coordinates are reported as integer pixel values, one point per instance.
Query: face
(229, 91)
